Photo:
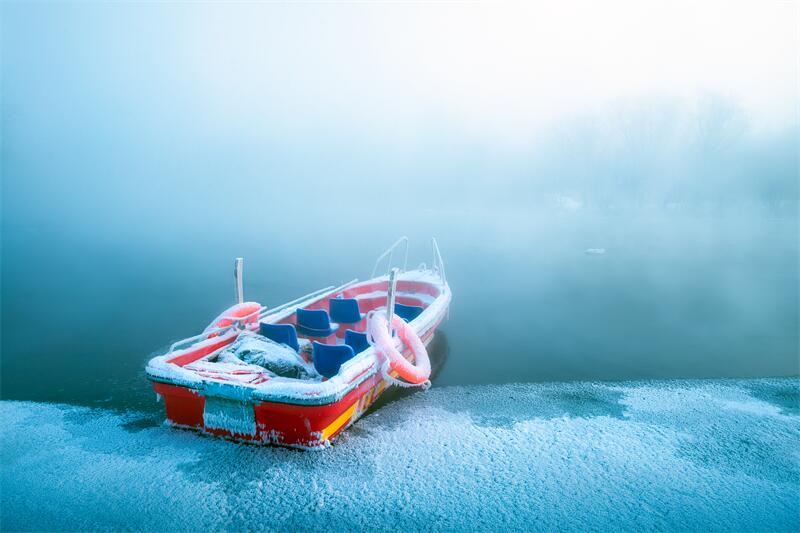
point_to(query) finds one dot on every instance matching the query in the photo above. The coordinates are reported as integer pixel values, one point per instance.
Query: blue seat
(345, 310)
(356, 340)
(328, 358)
(315, 323)
(407, 312)
(280, 333)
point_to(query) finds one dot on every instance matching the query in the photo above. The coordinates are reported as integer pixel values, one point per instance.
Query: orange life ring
(231, 314)
(378, 334)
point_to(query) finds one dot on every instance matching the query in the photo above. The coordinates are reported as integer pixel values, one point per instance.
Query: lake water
(136, 171)
(675, 295)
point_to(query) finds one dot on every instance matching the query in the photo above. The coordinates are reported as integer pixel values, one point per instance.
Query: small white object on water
(568, 203)
(595, 251)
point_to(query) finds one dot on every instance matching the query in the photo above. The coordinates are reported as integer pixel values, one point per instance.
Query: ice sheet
(670, 456)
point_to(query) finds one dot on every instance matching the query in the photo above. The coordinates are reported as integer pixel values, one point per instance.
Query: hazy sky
(163, 102)
(499, 70)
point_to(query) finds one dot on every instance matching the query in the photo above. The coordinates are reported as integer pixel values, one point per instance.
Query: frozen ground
(667, 456)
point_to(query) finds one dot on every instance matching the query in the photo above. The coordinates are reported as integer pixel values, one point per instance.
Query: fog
(146, 146)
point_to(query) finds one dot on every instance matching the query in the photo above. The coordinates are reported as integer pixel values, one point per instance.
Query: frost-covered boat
(300, 373)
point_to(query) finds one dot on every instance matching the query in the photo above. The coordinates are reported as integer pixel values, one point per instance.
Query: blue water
(674, 296)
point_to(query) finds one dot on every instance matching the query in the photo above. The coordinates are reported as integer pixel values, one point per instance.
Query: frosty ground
(667, 456)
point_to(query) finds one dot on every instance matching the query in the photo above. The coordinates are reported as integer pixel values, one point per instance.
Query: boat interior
(323, 333)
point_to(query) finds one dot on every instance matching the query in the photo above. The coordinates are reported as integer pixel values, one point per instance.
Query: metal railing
(390, 252)
(292, 306)
(240, 322)
(390, 297)
(264, 312)
(438, 263)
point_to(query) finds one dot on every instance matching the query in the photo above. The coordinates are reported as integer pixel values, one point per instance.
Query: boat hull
(267, 422)
(302, 414)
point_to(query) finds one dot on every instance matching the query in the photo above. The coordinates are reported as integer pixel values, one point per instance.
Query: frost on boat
(300, 373)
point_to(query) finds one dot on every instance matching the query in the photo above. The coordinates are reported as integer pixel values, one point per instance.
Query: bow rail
(390, 252)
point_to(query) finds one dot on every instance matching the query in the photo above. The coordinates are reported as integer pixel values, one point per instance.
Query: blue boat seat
(328, 358)
(315, 323)
(356, 340)
(345, 310)
(407, 312)
(280, 333)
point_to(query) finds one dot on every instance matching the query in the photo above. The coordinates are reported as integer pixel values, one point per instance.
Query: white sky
(501, 69)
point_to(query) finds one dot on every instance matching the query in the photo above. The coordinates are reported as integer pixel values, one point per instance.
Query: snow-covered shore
(669, 456)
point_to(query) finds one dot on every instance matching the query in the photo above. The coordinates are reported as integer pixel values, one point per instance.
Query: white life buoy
(379, 336)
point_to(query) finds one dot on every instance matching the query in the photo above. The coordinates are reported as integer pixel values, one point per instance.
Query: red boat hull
(301, 426)
(245, 405)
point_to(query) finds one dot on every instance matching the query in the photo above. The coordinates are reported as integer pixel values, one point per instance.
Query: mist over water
(129, 187)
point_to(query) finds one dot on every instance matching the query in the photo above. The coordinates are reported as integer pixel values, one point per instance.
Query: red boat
(300, 373)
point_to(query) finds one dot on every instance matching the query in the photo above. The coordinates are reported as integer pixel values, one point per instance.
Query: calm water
(136, 170)
(675, 295)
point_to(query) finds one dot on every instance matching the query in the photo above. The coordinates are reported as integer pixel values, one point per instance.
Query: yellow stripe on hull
(358, 408)
(339, 422)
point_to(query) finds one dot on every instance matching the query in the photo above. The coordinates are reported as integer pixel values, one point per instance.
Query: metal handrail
(293, 305)
(390, 253)
(236, 321)
(438, 263)
(262, 313)
(282, 307)
(390, 297)
(189, 340)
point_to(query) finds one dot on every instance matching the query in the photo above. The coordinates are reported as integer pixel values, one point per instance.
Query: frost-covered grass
(667, 456)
